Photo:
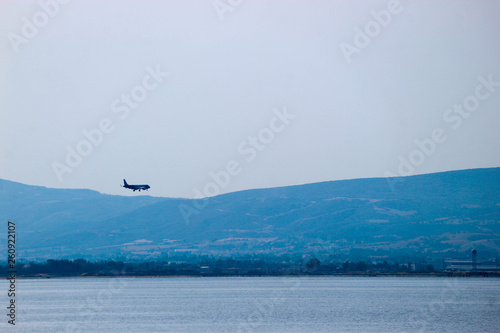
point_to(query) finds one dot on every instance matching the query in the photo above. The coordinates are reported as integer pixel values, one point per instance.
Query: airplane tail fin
(125, 183)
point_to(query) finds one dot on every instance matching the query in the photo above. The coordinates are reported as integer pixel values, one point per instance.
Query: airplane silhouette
(135, 187)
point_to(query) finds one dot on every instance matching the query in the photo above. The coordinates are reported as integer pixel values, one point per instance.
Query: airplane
(135, 187)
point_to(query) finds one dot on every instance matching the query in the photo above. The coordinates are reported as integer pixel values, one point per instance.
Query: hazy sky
(276, 92)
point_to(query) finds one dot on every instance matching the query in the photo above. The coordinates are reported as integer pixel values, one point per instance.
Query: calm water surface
(255, 304)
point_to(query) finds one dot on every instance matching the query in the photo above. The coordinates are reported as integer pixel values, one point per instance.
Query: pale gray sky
(232, 66)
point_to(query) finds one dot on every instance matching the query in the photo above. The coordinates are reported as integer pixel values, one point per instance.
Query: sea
(253, 304)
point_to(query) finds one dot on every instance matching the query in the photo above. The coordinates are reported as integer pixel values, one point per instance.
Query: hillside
(441, 214)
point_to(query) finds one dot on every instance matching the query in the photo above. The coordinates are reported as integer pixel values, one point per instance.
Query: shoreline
(464, 274)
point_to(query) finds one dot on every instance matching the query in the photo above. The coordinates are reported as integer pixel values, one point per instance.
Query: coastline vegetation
(209, 266)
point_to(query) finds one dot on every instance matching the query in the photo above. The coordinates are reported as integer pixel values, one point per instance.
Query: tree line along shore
(229, 267)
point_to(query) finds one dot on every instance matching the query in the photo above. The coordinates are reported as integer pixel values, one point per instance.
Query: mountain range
(433, 215)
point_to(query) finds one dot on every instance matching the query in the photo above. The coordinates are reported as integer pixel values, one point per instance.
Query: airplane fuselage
(136, 187)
